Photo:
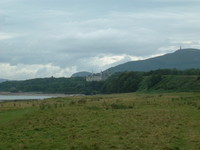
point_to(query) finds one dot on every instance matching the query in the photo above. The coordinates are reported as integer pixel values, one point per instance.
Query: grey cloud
(68, 33)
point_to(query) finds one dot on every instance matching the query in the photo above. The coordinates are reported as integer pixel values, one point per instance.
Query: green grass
(164, 121)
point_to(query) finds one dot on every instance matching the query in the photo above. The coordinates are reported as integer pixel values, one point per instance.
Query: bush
(120, 106)
(82, 101)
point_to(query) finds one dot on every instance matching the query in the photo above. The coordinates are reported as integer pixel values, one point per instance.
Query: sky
(44, 38)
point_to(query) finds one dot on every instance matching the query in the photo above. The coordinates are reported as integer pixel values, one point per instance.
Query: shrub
(120, 106)
(82, 101)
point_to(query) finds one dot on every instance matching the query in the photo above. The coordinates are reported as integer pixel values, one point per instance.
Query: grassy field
(164, 121)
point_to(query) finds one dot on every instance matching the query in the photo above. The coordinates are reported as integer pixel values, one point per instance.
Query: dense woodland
(162, 80)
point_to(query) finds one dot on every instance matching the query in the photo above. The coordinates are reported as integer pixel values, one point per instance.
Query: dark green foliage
(162, 79)
(121, 106)
(173, 72)
(13, 89)
(154, 79)
(93, 87)
(82, 101)
(75, 85)
(124, 82)
(198, 78)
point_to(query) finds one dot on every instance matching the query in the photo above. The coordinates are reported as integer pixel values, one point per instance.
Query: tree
(154, 79)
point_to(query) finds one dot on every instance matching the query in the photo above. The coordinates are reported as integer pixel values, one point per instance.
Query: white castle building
(98, 76)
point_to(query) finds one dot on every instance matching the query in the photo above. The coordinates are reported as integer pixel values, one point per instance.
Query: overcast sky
(43, 38)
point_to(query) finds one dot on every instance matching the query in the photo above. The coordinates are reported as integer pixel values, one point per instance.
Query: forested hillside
(76, 85)
(158, 80)
(181, 59)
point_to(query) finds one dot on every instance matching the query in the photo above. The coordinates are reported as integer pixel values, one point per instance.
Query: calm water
(23, 97)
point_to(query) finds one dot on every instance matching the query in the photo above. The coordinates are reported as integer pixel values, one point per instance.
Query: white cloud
(4, 36)
(103, 62)
(61, 37)
(188, 43)
(167, 49)
(22, 71)
(56, 13)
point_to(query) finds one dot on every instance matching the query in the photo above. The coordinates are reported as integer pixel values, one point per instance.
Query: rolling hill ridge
(2, 80)
(181, 59)
(81, 74)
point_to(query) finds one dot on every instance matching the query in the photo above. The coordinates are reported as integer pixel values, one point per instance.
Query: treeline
(165, 79)
(123, 82)
(174, 72)
(158, 80)
(76, 85)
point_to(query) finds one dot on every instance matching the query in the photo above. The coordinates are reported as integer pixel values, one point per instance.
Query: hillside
(46, 85)
(2, 80)
(75, 85)
(180, 59)
(81, 74)
(178, 83)
(158, 80)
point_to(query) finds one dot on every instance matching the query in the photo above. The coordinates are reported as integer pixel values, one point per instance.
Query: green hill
(175, 83)
(181, 59)
(2, 80)
(81, 74)
(154, 81)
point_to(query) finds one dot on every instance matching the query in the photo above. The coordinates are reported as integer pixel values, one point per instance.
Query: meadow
(134, 121)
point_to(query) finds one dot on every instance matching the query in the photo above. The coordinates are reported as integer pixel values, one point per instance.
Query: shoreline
(38, 94)
(25, 96)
